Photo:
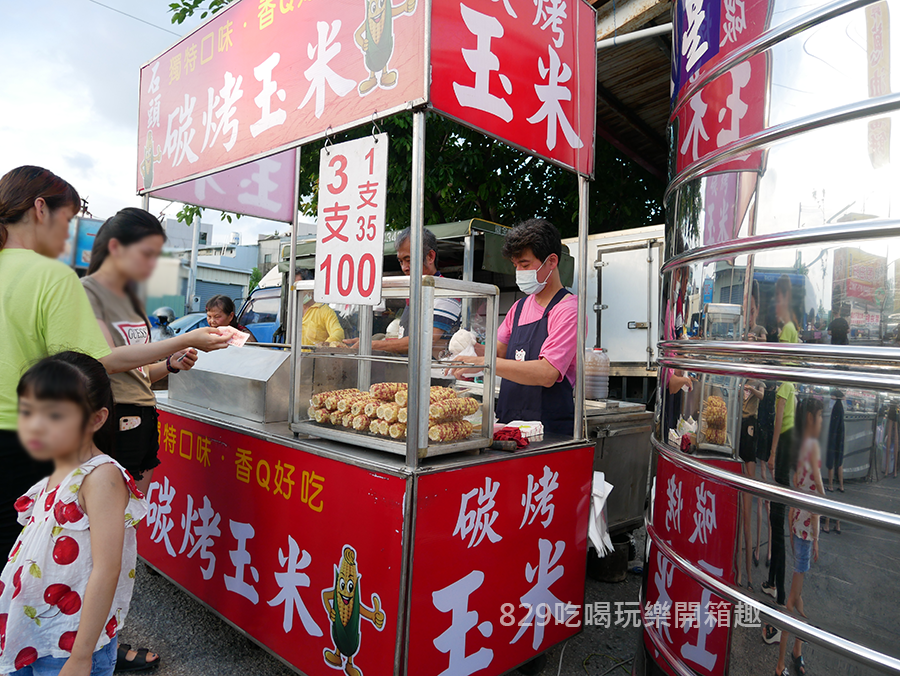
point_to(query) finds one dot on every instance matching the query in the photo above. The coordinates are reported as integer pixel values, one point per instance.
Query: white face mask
(527, 281)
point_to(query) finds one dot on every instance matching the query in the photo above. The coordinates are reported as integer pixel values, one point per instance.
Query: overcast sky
(69, 74)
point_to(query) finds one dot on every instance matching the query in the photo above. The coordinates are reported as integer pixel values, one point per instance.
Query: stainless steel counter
(280, 433)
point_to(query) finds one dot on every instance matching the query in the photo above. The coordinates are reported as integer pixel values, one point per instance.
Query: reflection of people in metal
(804, 525)
(834, 457)
(164, 316)
(891, 439)
(754, 390)
(782, 449)
(375, 38)
(320, 324)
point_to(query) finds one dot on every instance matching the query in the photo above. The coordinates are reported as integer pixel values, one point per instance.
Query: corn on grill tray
(398, 287)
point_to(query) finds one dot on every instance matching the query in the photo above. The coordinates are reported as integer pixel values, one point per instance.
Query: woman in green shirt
(44, 310)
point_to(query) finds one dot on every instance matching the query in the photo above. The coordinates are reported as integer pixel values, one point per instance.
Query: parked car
(191, 321)
(262, 313)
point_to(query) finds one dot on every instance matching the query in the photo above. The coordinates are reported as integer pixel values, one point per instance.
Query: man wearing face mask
(447, 311)
(537, 340)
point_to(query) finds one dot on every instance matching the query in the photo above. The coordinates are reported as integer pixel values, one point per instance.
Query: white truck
(623, 292)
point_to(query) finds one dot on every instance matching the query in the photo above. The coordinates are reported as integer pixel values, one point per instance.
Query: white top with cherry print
(42, 586)
(801, 524)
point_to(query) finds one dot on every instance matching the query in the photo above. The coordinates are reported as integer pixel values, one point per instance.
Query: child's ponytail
(76, 377)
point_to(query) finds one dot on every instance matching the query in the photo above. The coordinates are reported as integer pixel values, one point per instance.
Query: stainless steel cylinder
(774, 528)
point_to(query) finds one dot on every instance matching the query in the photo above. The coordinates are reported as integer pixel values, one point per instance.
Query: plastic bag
(597, 525)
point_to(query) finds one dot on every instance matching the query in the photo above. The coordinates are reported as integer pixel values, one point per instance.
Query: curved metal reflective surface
(774, 526)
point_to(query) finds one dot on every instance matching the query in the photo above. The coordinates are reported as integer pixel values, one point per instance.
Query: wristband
(169, 365)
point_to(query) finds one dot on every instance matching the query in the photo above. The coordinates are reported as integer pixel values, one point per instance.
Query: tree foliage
(469, 175)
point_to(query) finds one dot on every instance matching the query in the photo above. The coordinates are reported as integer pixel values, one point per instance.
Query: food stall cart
(337, 549)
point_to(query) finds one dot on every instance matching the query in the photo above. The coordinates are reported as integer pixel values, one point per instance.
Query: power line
(131, 16)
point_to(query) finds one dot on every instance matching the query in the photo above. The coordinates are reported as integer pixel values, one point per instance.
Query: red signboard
(271, 537)
(522, 72)
(698, 519)
(729, 108)
(499, 562)
(709, 31)
(266, 75)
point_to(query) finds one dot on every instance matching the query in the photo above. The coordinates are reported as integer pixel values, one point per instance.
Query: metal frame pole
(292, 298)
(416, 348)
(145, 201)
(581, 284)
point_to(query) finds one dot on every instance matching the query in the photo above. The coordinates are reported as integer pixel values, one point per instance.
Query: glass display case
(723, 321)
(357, 393)
(720, 414)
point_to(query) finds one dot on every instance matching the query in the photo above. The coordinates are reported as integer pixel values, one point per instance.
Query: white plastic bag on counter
(598, 531)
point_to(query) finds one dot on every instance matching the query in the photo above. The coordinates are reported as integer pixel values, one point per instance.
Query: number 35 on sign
(350, 229)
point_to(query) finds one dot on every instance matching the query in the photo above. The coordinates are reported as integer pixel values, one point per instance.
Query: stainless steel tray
(397, 446)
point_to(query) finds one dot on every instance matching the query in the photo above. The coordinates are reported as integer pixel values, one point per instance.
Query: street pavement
(194, 641)
(851, 590)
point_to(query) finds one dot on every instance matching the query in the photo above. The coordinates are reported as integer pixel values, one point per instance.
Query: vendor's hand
(351, 342)
(208, 339)
(183, 360)
(456, 371)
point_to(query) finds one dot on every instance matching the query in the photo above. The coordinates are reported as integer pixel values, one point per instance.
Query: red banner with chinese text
(263, 534)
(699, 520)
(521, 72)
(266, 75)
(500, 552)
(728, 109)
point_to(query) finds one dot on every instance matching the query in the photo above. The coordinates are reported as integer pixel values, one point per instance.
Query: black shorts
(765, 435)
(749, 439)
(137, 448)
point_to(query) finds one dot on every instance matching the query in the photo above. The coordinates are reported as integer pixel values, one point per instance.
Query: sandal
(139, 663)
(825, 529)
(799, 664)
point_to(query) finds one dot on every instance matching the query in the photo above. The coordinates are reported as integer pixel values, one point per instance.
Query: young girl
(66, 588)
(220, 312)
(804, 525)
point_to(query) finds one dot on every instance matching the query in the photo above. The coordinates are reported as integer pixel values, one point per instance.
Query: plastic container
(596, 373)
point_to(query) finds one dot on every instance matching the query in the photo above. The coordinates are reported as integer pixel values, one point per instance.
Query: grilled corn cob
(359, 405)
(322, 415)
(346, 401)
(335, 417)
(318, 400)
(331, 402)
(452, 409)
(346, 420)
(389, 411)
(386, 391)
(371, 408)
(361, 423)
(401, 415)
(437, 394)
(450, 431)
(398, 431)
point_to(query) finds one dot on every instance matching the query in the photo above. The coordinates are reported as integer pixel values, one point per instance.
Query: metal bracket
(638, 325)
(598, 307)
(600, 264)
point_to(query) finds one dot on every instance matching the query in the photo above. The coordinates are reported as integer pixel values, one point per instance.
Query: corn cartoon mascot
(149, 160)
(376, 40)
(344, 608)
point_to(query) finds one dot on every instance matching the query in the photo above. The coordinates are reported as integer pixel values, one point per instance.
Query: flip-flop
(837, 531)
(799, 664)
(825, 529)
(139, 663)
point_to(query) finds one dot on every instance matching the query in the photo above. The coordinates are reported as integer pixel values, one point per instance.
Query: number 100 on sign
(350, 229)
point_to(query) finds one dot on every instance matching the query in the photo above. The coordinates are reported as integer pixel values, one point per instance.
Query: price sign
(350, 232)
